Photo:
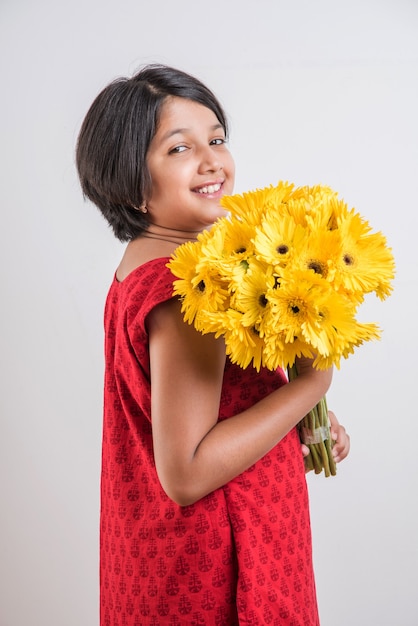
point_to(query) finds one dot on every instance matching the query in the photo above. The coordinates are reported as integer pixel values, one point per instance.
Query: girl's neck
(157, 241)
(172, 235)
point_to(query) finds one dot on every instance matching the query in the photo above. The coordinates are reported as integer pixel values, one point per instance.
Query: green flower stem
(329, 443)
(332, 464)
(320, 457)
(316, 458)
(324, 458)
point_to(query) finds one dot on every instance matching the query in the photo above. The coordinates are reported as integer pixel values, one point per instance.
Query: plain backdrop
(317, 92)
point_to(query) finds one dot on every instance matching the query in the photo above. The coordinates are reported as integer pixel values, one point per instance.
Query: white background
(317, 92)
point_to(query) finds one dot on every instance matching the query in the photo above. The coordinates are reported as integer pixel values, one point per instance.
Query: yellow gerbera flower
(200, 285)
(346, 344)
(248, 207)
(212, 241)
(279, 353)
(281, 194)
(365, 264)
(335, 326)
(238, 239)
(243, 343)
(339, 211)
(295, 304)
(307, 308)
(252, 205)
(311, 205)
(278, 241)
(183, 264)
(245, 347)
(238, 250)
(250, 294)
(319, 247)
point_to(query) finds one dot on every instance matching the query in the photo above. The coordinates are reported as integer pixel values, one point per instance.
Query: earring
(142, 208)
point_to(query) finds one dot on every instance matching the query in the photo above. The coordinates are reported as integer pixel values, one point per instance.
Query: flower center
(282, 249)
(317, 267)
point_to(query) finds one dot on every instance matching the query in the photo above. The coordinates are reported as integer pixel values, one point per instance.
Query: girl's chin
(219, 210)
(218, 215)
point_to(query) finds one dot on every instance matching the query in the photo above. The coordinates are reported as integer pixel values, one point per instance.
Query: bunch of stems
(314, 432)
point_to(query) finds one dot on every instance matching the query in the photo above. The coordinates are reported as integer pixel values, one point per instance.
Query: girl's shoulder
(144, 287)
(150, 270)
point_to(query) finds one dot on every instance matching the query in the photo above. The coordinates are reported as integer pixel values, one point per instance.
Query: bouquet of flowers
(282, 276)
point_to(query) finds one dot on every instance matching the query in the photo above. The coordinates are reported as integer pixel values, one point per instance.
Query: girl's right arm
(194, 452)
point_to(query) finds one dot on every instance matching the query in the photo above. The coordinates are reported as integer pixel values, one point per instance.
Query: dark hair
(115, 136)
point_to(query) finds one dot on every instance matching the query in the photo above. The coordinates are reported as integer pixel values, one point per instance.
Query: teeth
(210, 188)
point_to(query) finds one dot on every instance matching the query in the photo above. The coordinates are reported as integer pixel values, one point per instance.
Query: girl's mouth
(209, 189)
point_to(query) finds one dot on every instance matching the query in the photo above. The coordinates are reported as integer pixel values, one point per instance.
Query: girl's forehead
(184, 113)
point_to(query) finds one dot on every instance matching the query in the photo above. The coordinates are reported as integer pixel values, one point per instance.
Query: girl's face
(190, 167)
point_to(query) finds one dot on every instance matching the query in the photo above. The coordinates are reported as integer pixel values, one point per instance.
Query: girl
(204, 506)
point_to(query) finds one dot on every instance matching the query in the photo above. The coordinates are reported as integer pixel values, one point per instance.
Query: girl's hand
(341, 438)
(305, 450)
(341, 446)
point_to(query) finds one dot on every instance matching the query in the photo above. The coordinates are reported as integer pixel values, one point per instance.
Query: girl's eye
(217, 142)
(177, 149)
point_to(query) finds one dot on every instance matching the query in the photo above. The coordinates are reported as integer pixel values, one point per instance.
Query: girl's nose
(210, 161)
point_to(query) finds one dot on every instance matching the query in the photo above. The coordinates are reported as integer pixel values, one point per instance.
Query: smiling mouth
(209, 189)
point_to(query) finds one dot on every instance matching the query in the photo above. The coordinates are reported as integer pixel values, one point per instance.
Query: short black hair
(115, 136)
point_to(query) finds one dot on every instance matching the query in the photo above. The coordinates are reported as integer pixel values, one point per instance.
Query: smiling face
(190, 167)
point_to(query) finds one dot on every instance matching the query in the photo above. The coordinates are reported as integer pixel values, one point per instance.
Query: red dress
(240, 555)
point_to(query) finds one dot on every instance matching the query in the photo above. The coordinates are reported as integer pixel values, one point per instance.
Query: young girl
(204, 506)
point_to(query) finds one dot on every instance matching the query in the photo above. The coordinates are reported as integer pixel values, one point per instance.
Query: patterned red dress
(242, 554)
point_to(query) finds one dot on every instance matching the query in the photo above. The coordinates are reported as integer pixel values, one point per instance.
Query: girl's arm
(194, 453)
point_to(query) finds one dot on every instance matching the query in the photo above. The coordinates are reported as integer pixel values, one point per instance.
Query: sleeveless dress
(240, 555)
